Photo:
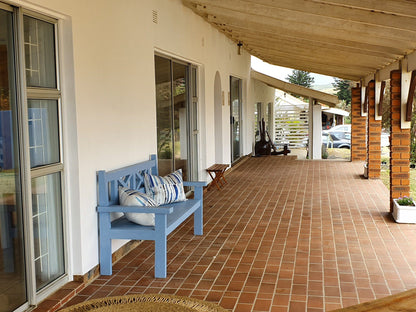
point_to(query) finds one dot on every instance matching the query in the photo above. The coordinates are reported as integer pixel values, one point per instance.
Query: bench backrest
(130, 176)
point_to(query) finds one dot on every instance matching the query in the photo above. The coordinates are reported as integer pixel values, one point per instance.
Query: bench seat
(167, 217)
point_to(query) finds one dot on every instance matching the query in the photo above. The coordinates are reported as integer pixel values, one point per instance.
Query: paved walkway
(282, 235)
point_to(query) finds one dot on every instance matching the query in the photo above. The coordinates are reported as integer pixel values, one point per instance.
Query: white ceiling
(349, 39)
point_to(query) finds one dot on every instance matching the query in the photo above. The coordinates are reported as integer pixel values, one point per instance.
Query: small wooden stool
(218, 171)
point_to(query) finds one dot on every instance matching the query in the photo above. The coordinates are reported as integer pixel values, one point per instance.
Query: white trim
(35, 8)
(168, 54)
(406, 78)
(25, 160)
(377, 90)
(69, 138)
(363, 91)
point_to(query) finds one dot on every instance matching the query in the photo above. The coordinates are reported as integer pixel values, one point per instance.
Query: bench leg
(160, 257)
(160, 246)
(105, 245)
(198, 221)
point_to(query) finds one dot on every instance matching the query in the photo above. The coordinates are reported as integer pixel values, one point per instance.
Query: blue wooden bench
(167, 217)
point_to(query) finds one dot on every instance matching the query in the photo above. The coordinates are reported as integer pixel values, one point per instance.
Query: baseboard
(116, 256)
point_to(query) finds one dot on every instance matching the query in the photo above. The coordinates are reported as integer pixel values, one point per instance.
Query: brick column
(399, 144)
(358, 127)
(374, 135)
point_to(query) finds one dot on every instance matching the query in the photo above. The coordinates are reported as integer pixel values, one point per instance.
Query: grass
(385, 177)
(339, 153)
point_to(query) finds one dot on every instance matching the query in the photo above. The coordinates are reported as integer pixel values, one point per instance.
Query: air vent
(154, 14)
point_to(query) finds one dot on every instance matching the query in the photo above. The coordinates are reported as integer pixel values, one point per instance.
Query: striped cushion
(128, 197)
(167, 189)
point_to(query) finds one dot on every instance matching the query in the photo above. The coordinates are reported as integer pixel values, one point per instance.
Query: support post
(374, 135)
(358, 128)
(315, 130)
(399, 142)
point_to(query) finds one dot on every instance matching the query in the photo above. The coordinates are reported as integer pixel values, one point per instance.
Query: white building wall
(109, 87)
(259, 92)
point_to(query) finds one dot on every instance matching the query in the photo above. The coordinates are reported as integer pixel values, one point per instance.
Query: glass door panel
(235, 99)
(47, 228)
(12, 263)
(43, 132)
(39, 53)
(180, 118)
(164, 115)
(44, 149)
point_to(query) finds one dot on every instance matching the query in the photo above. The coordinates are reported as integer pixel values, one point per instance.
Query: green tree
(343, 89)
(301, 78)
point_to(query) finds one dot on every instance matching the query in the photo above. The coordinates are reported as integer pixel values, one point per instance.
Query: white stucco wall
(109, 94)
(258, 92)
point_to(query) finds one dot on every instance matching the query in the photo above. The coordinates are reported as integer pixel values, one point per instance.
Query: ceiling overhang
(321, 97)
(349, 39)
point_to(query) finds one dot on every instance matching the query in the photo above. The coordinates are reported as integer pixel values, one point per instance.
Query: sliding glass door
(12, 255)
(176, 109)
(31, 166)
(235, 104)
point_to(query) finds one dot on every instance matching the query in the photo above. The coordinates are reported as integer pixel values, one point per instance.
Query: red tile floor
(282, 235)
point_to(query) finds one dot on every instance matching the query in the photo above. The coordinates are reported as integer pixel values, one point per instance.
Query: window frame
(23, 95)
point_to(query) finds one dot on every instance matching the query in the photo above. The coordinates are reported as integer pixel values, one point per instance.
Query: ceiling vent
(154, 16)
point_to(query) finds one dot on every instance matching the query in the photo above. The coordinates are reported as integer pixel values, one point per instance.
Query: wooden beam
(326, 59)
(294, 46)
(277, 39)
(335, 71)
(326, 10)
(410, 96)
(324, 98)
(250, 11)
(342, 59)
(224, 19)
(397, 7)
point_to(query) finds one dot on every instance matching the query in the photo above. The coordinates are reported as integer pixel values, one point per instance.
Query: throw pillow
(128, 197)
(167, 189)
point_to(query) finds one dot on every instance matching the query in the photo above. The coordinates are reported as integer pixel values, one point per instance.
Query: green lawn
(385, 177)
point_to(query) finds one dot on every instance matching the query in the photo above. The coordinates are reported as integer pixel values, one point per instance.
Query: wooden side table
(216, 173)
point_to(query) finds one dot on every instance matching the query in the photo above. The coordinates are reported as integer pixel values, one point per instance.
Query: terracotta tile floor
(282, 235)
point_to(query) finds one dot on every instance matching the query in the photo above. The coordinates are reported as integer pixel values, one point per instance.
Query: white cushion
(128, 197)
(167, 189)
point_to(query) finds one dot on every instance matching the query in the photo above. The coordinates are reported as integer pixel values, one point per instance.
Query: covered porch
(283, 235)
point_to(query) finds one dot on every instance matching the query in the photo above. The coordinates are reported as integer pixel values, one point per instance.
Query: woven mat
(154, 303)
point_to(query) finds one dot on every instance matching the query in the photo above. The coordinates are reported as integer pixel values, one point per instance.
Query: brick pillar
(399, 144)
(358, 127)
(374, 135)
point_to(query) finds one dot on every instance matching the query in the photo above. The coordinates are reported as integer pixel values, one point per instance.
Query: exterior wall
(399, 144)
(374, 136)
(107, 53)
(259, 92)
(358, 127)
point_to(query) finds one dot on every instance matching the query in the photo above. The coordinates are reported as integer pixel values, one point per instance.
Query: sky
(282, 72)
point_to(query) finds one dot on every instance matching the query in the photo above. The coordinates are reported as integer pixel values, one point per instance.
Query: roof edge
(321, 97)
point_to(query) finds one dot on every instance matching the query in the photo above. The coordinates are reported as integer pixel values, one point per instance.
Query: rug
(146, 303)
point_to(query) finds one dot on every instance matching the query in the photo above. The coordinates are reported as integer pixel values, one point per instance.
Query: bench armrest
(195, 183)
(198, 188)
(117, 208)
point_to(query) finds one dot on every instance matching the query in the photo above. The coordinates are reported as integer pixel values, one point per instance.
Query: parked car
(335, 139)
(339, 128)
